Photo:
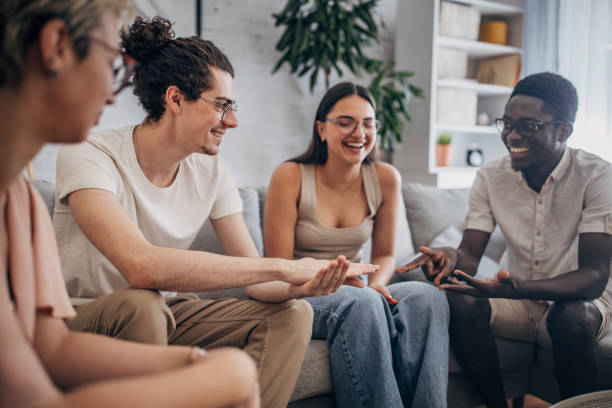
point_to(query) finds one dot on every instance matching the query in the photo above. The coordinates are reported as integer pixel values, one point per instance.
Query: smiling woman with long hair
(329, 201)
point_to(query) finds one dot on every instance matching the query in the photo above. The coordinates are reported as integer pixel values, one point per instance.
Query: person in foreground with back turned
(56, 75)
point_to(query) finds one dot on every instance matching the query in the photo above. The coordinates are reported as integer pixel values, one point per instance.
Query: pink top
(33, 261)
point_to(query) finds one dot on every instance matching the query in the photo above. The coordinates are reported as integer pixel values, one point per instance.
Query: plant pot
(444, 155)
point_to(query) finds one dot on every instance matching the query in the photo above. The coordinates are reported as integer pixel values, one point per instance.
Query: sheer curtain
(585, 59)
(572, 38)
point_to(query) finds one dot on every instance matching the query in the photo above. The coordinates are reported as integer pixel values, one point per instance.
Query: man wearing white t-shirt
(129, 203)
(554, 207)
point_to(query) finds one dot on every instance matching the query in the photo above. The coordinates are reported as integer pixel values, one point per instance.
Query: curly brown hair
(163, 61)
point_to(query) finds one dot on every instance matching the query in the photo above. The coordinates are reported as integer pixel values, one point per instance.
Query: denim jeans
(382, 355)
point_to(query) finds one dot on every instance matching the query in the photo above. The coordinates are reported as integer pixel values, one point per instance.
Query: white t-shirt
(169, 217)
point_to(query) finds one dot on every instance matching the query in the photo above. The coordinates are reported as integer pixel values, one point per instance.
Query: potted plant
(323, 36)
(444, 150)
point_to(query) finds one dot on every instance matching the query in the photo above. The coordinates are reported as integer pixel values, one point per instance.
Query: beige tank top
(314, 240)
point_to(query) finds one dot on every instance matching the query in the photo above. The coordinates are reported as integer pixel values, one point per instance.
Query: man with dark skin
(554, 207)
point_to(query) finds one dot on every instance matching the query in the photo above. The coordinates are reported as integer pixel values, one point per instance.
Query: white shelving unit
(416, 49)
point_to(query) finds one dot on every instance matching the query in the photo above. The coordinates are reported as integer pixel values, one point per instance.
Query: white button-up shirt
(541, 229)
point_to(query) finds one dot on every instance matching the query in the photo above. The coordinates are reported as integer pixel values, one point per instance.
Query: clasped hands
(438, 265)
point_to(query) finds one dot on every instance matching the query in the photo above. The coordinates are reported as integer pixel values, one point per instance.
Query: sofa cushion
(431, 210)
(315, 377)
(47, 191)
(206, 240)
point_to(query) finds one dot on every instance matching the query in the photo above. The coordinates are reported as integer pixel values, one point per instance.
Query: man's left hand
(502, 286)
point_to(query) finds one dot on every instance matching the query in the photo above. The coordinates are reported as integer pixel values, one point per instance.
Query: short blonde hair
(22, 20)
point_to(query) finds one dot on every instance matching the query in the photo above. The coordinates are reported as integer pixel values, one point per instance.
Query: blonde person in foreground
(388, 344)
(56, 75)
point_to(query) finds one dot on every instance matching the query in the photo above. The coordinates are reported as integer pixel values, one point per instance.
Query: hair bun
(144, 38)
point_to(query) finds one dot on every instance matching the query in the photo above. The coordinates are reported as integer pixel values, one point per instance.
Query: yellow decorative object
(494, 32)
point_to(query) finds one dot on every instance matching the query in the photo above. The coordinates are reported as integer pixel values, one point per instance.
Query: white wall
(275, 112)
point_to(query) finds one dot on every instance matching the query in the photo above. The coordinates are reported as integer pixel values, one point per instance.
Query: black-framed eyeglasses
(224, 106)
(348, 124)
(123, 66)
(527, 128)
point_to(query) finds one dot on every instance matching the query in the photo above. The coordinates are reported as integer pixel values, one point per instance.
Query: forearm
(466, 262)
(384, 274)
(275, 292)
(219, 379)
(185, 270)
(583, 283)
(76, 358)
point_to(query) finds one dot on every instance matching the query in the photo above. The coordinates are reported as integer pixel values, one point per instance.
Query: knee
(141, 302)
(141, 315)
(298, 317)
(468, 310)
(238, 369)
(421, 296)
(573, 320)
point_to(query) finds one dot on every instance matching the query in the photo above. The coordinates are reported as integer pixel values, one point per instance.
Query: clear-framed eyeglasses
(225, 107)
(123, 66)
(527, 128)
(348, 124)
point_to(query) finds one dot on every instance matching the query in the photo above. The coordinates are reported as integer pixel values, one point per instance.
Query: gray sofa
(432, 215)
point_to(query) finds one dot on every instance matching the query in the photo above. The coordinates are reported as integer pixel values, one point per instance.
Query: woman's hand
(382, 289)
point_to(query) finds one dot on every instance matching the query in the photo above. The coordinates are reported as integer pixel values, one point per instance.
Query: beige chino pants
(275, 335)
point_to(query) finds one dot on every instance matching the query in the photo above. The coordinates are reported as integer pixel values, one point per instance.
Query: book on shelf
(503, 71)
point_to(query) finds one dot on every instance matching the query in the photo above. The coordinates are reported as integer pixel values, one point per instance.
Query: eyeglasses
(123, 66)
(348, 124)
(224, 106)
(527, 128)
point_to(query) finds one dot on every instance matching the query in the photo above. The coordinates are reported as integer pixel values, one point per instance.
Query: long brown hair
(317, 151)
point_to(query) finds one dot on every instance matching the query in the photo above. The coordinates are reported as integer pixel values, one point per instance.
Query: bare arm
(112, 372)
(75, 358)
(144, 265)
(383, 237)
(586, 282)
(439, 263)
(23, 381)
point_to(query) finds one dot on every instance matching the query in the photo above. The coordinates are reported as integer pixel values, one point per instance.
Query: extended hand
(305, 269)
(436, 263)
(326, 281)
(502, 286)
(382, 289)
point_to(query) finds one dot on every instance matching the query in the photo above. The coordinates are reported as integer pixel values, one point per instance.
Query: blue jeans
(381, 355)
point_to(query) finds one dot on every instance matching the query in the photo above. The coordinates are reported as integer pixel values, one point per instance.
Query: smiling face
(201, 120)
(344, 143)
(544, 147)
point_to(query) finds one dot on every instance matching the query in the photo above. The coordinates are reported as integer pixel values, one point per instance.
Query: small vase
(444, 154)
